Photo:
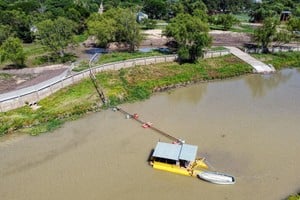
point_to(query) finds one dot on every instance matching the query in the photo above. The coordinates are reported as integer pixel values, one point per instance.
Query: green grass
(242, 17)
(115, 57)
(83, 65)
(241, 28)
(217, 48)
(80, 38)
(120, 56)
(33, 49)
(36, 54)
(280, 60)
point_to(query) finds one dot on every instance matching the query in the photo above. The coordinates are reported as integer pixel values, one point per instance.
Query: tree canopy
(115, 25)
(156, 9)
(191, 35)
(56, 34)
(271, 8)
(266, 34)
(12, 49)
(224, 20)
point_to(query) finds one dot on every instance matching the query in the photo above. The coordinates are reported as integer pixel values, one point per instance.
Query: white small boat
(216, 177)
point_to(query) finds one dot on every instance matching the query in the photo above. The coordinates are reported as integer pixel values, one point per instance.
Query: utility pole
(95, 82)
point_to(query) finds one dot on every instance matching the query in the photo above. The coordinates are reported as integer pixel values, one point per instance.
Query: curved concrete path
(258, 66)
(29, 89)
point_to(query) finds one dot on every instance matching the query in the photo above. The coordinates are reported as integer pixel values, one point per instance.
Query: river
(247, 126)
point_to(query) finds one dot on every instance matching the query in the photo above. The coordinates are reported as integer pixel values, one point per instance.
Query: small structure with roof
(177, 158)
(175, 153)
(181, 159)
(285, 15)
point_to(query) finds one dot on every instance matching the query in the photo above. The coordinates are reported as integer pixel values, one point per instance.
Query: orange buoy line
(147, 124)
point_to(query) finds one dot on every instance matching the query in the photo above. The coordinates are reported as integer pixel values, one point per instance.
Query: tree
(18, 22)
(191, 35)
(282, 37)
(201, 14)
(28, 6)
(12, 49)
(260, 12)
(156, 9)
(266, 34)
(227, 5)
(270, 8)
(56, 35)
(116, 25)
(5, 32)
(188, 7)
(128, 29)
(293, 24)
(104, 29)
(225, 20)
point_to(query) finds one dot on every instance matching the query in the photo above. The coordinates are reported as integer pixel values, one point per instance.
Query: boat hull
(216, 177)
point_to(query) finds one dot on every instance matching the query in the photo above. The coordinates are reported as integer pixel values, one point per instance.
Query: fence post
(37, 95)
(19, 101)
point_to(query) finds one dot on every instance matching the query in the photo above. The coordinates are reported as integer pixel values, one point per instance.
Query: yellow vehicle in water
(181, 159)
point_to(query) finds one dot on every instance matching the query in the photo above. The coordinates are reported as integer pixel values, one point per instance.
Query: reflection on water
(260, 85)
(104, 156)
(190, 94)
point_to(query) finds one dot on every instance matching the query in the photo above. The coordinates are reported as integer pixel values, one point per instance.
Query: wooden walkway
(258, 66)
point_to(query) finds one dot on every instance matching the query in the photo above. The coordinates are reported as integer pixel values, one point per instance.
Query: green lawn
(280, 60)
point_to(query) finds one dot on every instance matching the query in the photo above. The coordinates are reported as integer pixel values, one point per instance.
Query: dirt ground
(11, 82)
(223, 38)
(220, 38)
(153, 38)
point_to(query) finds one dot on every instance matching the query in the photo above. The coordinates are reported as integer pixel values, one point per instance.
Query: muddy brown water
(248, 127)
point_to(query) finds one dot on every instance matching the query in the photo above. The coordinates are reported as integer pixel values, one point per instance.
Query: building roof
(175, 151)
(188, 152)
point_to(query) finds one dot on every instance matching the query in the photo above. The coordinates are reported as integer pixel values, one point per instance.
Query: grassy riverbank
(126, 85)
(280, 60)
(294, 197)
(118, 56)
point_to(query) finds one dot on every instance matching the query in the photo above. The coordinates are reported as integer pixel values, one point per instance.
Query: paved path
(258, 66)
(35, 87)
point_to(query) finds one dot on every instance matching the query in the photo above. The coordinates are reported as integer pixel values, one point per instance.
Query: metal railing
(33, 94)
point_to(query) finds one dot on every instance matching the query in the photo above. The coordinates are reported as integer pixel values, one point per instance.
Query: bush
(294, 197)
